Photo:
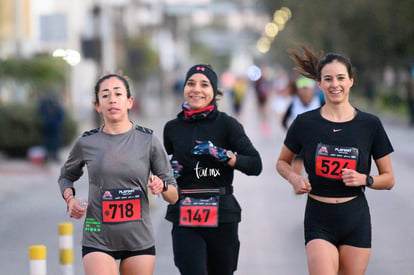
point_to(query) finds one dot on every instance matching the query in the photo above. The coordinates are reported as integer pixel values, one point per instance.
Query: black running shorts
(347, 223)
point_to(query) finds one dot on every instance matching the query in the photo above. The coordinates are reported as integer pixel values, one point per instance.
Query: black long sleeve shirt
(180, 136)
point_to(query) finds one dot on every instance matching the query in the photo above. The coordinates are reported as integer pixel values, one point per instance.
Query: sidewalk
(18, 175)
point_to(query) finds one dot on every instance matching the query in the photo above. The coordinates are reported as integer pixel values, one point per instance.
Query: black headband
(205, 70)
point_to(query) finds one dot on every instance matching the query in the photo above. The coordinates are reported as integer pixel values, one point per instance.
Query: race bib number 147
(199, 212)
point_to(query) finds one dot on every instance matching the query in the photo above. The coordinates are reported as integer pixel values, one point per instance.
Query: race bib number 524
(331, 159)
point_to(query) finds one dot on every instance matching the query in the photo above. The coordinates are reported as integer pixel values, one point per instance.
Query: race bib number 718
(121, 205)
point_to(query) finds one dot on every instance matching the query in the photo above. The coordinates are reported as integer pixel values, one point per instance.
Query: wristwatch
(369, 181)
(165, 188)
(229, 155)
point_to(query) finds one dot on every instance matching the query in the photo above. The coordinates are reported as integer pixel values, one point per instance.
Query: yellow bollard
(37, 256)
(66, 247)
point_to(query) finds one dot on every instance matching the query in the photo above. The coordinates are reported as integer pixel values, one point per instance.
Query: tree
(372, 32)
(21, 119)
(39, 71)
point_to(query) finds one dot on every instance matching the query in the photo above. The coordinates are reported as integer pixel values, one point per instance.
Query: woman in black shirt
(206, 146)
(338, 142)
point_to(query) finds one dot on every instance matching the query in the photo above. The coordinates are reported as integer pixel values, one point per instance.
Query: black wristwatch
(229, 155)
(369, 181)
(165, 188)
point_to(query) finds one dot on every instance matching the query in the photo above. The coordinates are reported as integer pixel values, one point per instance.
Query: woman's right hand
(300, 184)
(75, 209)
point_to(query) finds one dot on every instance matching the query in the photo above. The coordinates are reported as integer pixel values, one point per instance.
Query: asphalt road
(271, 231)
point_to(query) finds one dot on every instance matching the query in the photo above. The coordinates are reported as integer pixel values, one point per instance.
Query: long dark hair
(309, 64)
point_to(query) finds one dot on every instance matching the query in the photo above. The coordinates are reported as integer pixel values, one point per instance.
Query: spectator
(51, 114)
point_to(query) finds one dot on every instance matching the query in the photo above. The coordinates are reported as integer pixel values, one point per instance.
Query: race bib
(195, 212)
(121, 205)
(331, 159)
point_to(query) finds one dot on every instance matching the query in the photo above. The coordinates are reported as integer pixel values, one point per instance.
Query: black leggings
(203, 251)
(347, 223)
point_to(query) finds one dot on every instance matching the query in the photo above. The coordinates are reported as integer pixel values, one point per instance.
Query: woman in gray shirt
(125, 161)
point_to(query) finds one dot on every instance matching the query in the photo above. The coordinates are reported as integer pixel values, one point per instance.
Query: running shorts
(347, 223)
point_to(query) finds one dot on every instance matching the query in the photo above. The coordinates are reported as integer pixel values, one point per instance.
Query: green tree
(140, 60)
(371, 32)
(39, 71)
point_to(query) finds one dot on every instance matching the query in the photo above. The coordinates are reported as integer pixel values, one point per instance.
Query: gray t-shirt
(118, 168)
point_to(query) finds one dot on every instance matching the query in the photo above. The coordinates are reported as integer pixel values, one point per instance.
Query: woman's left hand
(352, 178)
(209, 149)
(156, 185)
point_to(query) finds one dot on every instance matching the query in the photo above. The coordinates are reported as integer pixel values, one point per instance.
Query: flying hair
(307, 62)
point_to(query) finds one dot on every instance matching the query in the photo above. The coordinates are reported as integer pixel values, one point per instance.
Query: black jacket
(180, 136)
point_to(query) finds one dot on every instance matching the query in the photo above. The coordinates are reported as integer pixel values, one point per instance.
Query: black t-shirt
(330, 146)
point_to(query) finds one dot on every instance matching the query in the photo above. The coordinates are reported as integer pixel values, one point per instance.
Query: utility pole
(106, 34)
(18, 26)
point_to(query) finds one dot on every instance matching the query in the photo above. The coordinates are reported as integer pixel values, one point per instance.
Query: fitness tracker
(369, 181)
(165, 188)
(229, 155)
